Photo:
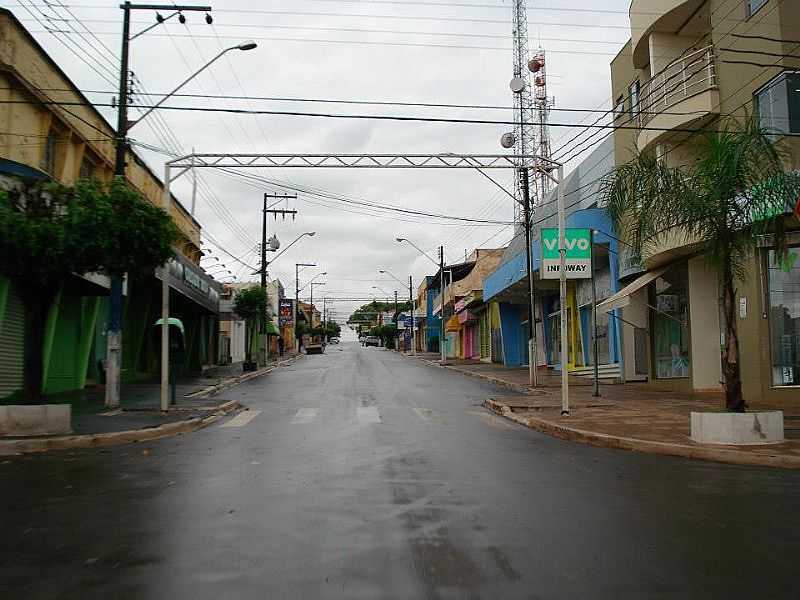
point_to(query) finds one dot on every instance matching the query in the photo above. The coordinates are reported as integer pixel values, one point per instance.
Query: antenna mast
(523, 101)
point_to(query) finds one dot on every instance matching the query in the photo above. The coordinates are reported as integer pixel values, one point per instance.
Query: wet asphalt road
(363, 474)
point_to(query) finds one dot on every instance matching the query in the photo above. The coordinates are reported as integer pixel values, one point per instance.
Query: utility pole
(114, 336)
(533, 359)
(441, 313)
(275, 213)
(396, 339)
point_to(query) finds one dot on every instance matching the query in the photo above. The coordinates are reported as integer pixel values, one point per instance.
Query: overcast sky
(444, 52)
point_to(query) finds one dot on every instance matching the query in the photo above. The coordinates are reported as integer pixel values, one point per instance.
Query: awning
(623, 297)
(452, 324)
(172, 321)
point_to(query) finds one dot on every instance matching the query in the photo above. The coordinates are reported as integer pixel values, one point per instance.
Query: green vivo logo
(578, 243)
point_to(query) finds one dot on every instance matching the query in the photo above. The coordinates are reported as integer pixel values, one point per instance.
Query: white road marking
(368, 414)
(491, 420)
(242, 419)
(424, 413)
(305, 415)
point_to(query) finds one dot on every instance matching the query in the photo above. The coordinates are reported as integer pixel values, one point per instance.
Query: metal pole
(114, 335)
(532, 352)
(562, 250)
(165, 305)
(441, 313)
(413, 324)
(194, 185)
(396, 338)
(596, 392)
(263, 325)
(296, 341)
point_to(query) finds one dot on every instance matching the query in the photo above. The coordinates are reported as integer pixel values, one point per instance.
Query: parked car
(372, 340)
(333, 340)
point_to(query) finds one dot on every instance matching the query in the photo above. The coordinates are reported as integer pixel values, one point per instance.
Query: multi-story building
(50, 131)
(688, 64)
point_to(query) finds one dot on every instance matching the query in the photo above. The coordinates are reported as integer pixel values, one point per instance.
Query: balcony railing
(688, 76)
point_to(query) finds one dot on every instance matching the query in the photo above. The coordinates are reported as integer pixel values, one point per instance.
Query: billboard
(578, 263)
(286, 313)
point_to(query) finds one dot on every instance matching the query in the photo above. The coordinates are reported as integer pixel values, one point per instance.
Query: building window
(633, 93)
(48, 163)
(669, 301)
(778, 104)
(87, 169)
(784, 317)
(753, 6)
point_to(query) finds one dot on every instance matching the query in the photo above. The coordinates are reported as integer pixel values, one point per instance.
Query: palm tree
(736, 189)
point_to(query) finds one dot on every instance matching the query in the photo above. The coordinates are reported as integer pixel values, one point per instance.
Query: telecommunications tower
(523, 99)
(531, 104)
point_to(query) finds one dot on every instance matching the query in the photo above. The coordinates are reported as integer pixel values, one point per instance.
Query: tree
(49, 232)
(736, 189)
(250, 304)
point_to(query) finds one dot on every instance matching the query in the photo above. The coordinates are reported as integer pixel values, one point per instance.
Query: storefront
(783, 280)
(669, 323)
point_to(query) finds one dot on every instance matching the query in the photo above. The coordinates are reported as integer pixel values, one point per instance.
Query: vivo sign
(578, 243)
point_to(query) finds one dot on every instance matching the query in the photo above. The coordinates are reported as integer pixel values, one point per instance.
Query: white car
(334, 340)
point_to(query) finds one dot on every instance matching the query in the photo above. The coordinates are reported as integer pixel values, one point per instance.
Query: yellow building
(691, 63)
(48, 128)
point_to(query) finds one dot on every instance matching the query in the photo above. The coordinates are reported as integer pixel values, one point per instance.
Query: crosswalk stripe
(305, 415)
(242, 419)
(368, 414)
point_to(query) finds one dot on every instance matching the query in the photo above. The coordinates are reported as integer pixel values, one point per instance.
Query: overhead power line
(406, 118)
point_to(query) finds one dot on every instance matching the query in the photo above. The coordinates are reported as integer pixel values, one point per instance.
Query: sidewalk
(628, 416)
(139, 416)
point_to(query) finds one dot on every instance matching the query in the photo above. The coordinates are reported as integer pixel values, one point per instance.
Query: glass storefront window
(784, 317)
(669, 295)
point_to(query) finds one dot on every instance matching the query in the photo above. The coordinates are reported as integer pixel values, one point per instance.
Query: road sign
(579, 253)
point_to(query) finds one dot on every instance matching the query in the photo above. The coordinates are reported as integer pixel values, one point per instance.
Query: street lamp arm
(403, 283)
(243, 46)
(297, 239)
(420, 250)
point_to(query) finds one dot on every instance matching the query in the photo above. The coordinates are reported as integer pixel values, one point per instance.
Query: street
(364, 474)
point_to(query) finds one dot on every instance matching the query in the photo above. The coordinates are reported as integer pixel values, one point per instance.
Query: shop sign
(578, 264)
(286, 313)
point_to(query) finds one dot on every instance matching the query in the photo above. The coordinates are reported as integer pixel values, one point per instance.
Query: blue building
(507, 285)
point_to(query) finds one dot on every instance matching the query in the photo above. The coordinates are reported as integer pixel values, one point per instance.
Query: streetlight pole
(297, 266)
(411, 301)
(440, 266)
(441, 310)
(114, 337)
(313, 283)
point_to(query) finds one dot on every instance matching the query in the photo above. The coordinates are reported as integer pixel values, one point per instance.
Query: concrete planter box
(737, 429)
(39, 419)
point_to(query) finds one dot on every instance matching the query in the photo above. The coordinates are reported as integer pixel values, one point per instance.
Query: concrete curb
(100, 440)
(234, 381)
(602, 440)
(514, 387)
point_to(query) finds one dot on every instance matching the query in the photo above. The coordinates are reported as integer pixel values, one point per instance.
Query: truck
(314, 344)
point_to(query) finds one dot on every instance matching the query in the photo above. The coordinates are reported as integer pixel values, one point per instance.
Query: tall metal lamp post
(114, 337)
(411, 301)
(296, 343)
(440, 267)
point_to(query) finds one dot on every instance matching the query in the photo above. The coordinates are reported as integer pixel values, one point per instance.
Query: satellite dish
(517, 85)
(508, 140)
